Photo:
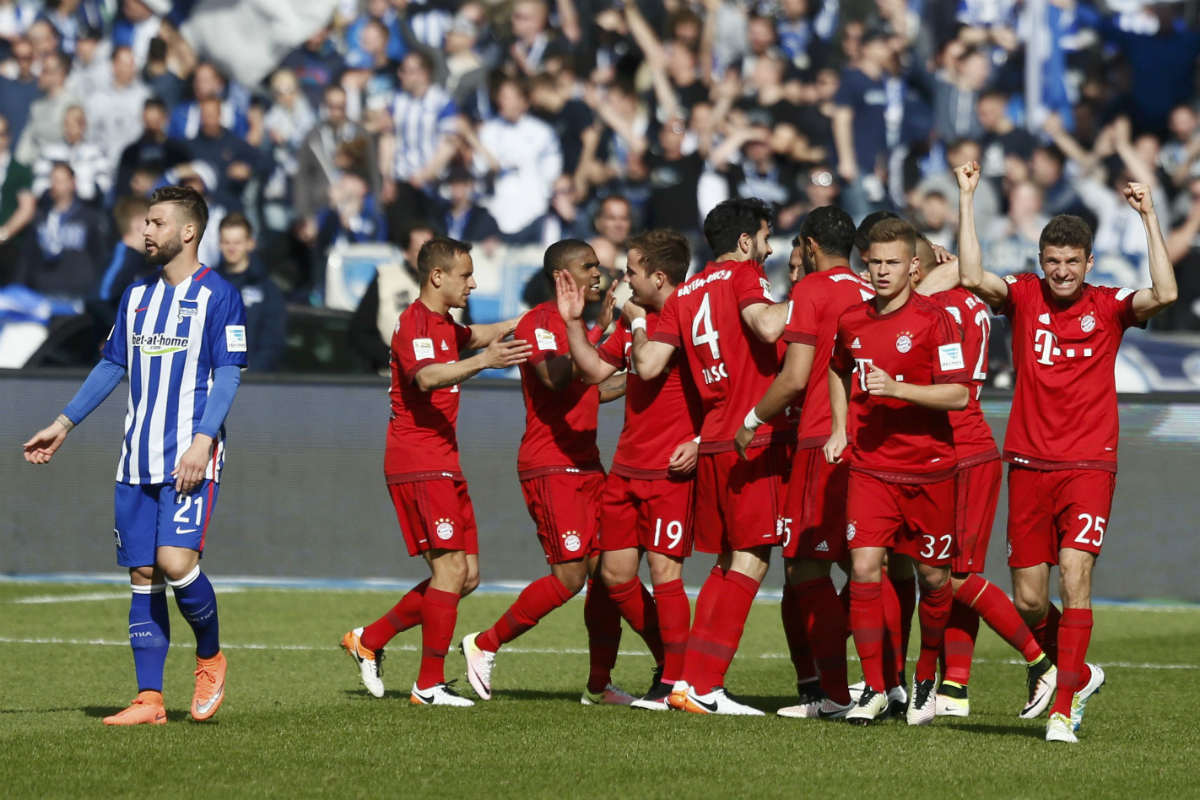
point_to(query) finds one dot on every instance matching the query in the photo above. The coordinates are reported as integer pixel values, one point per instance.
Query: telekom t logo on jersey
(1043, 345)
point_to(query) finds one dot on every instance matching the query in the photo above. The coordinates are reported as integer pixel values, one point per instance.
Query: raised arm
(592, 368)
(767, 320)
(649, 358)
(990, 287)
(1163, 291)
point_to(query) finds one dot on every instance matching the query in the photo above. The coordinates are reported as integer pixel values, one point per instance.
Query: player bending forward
(562, 480)
(977, 491)
(181, 337)
(727, 326)
(422, 467)
(647, 503)
(897, 369)
(1061, 444)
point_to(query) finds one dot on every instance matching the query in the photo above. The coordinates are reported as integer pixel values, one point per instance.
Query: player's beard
(165, 252)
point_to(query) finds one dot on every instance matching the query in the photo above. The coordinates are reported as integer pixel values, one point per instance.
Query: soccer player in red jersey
(648, 496)
(978, 490)
(1061, 443)
(897, 369)
(725, 323)
(562, 480)
(814, 510)
(422, 467)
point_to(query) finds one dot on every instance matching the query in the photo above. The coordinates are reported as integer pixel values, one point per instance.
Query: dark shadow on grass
(47, 711)
(996, 730)
(101, 711)
(388, 694)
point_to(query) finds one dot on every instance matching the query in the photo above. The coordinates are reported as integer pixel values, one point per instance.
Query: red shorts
(978, 490)
(738, 503)
(565, 506)
(815, 511)
(435, 515)
(913, 519)
(1052, 510)
(655, 515)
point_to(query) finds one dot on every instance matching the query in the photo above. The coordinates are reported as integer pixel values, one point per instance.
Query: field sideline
(297, 722)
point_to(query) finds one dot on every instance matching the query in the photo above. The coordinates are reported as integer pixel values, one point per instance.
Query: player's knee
(664, 570)
(932, 578)
(1031, 602)
(142, 576)
(176, 563)
(572, 576)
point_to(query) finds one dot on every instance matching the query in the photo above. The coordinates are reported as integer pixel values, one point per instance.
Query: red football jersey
(659, 414)
(421, 441)
(560, 427)
(729, 365)
(1064, 411)
(973, 442)
(917, 343)
(818, 300)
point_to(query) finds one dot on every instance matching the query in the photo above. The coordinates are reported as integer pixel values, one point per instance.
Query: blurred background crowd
(333, 137)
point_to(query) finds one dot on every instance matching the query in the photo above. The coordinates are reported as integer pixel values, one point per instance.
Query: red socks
(695, 662)
(791, 611)
(1000, 614)
(602, 619)
(867, 625)
(674, 618)
(536, 601)
(825, 625)
(636, 605)
(1046, 632)
(711, 647)
(958, 646)
(933, 612)
(1074, 632)
(402, 616)
(438, 615)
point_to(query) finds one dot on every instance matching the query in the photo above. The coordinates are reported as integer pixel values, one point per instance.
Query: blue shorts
(150, 516)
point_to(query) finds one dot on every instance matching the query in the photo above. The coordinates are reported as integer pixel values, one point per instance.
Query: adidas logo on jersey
(1044, 319)
(856, 344)
(823, 547)
(444, 347)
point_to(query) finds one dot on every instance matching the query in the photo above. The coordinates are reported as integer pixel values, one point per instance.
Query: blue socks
(198, 603)
(149, 634)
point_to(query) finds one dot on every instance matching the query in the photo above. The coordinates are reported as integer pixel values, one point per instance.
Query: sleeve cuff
(799, 337)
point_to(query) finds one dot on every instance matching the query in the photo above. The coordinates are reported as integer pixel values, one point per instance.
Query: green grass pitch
(296, 722)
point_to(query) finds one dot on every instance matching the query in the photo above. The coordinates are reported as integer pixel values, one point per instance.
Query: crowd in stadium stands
(521, 122)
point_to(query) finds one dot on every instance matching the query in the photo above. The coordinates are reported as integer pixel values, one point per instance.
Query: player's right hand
(631, 311)
(834, 448)
(41, 446)
(968, 176)
(742, 440)
(570, 296)
(500, 353)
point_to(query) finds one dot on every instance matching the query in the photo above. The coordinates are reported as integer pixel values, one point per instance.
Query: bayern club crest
(444, 529)
(571, 541)
(850, 531)
(904, 343)
(1088, 323)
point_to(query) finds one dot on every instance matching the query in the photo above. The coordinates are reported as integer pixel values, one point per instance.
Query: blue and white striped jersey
(169, 339)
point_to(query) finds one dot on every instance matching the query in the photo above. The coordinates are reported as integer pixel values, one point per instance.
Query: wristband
(65, 421)
(638, 324)
(696, 440)
(751, 421)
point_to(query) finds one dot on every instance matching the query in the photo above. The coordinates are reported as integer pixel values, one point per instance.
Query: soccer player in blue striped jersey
(180, 336)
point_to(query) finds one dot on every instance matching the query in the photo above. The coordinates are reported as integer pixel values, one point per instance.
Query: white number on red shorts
(674, 532)
(187, 502)
(931, 546)
(783, 529)
(1092, 525)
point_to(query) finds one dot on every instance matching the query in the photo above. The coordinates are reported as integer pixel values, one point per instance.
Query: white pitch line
(554, 651)
(91, 597)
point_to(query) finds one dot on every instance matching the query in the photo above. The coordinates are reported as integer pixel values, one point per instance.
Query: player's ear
(435, 277)
(1091, 262)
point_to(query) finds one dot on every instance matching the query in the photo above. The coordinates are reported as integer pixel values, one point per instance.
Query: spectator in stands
(17, 205)
(160, 79)
(1058, 192)
(266, 316)
(957, 88)
(18, 90)
(860, 124)
(231, 157)
(961, 151)
(91, 168)
(90, 67)
(151, 151)
(317, 170)
(519, 155)
(1183, 248)
(114, 107)
(464, 219)
(209, 84)
(316, 64)
(15, 18)
(936, 219)
(533, 42)
(999, 137)
(138, 25)
(465, 69)
(74, 20)
(674, 179)
(65, 256)
(1011, 242)
(45, 124)
(393, 289)
(128, 262)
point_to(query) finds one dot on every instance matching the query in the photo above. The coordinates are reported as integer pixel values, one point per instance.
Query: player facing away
(814, 511)
(648, 495)
(562, 479)
(1061, 442)
(977, 483)
(897, 369)
(180, 336)
(422, 468)
(725, 323)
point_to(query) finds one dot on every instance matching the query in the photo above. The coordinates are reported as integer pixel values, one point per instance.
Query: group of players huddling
(843, 426)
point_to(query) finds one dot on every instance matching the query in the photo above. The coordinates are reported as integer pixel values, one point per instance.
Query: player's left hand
(632, 311)
(683, 460)
(190, 471)
(742, 440)
(879, 383)
(1138, 197)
